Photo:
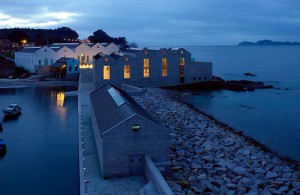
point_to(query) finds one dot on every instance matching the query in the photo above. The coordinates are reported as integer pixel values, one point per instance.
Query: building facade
(67, 68)
(125, 133)
(148, 67)
(30, 58)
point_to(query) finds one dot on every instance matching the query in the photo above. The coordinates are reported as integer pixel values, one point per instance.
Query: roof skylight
(116, 96)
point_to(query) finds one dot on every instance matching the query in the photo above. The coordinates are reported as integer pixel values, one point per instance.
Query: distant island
(267, 42)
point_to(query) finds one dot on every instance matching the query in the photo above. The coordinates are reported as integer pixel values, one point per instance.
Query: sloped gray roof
(29, 49)
(64, 60)
(106, 110)
(61, 61)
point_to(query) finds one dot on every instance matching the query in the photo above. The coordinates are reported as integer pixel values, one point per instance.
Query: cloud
(162, 22)
(41, 19)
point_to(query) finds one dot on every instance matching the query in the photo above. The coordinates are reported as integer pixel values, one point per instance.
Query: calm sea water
(271, 116)
(42, 144)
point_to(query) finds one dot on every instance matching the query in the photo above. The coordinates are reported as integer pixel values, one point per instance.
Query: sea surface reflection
(42, 143)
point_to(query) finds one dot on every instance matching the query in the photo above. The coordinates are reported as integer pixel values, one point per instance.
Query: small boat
(2, 145)
(12, 111)
(2, 148)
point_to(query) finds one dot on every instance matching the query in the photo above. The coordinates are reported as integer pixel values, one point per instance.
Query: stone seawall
(208, 157)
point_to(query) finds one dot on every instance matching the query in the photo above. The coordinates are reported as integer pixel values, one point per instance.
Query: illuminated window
(126, 71)
(146, 67)
(106, 72)
(65, 50)
(82, 58)
(181, 66)
(106, 59)
(126, 59)
(164, 67)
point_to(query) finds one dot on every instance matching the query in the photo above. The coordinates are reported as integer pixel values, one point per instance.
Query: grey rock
(231, 186)
(195, 166)
(265, 192)
(239, 170)
(202, 176)
(246, 152)
(296, 184)
(224, 189)
(271, 175)
(283, 189)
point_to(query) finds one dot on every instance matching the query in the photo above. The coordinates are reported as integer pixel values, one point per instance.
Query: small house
(67, 68)
(125, 133)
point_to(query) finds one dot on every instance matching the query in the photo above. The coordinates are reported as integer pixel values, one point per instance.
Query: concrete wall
(98, 139)
(153, 175)
(198, 71)
(121, 142)
(137, 68)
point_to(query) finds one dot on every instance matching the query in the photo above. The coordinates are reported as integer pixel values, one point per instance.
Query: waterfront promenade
(91, 181)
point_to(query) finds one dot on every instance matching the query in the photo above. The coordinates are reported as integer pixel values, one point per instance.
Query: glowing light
(24, 42)
(60, 97)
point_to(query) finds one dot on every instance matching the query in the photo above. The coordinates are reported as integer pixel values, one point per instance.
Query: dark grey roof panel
(29, 49)
(107, 112)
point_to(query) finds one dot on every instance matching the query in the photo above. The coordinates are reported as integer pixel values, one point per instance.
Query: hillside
(267, 42)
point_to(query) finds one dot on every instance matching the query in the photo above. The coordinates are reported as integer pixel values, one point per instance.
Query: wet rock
(271, 175)
(195, 166)
(208, 158)
(239, 170)
(184, 184)
(246, 152)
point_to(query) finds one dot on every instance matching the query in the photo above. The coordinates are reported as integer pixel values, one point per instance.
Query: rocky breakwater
(209, 158)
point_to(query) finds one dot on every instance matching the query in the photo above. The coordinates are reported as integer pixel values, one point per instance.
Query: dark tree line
(59, 35)
(102, 37)
(39, 36)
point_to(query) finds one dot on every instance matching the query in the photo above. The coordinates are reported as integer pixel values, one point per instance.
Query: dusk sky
(162, 22)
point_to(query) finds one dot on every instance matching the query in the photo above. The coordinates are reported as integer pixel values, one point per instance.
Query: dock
(91, 181)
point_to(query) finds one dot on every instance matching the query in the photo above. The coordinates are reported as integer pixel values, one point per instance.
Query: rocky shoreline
(208, 157)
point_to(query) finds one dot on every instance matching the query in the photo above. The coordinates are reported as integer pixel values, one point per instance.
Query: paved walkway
(91, 181)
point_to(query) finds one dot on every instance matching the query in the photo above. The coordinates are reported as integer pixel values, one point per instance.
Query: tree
(17, 36)
(100, 36)
(133, 45)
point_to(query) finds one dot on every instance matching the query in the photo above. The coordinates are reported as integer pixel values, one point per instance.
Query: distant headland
(267, 42)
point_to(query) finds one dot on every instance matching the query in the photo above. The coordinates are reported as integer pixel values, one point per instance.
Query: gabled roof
(29, 49)
(113, 106)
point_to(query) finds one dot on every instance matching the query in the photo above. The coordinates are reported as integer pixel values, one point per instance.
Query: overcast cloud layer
(162, 22)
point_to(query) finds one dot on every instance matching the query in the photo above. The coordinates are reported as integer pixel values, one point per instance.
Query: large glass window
(164, 67)
(126, 71)
(146, 67)
(106, 72)
(181, 66)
